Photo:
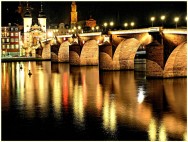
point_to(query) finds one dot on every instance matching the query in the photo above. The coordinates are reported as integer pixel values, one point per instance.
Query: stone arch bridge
(166, 50)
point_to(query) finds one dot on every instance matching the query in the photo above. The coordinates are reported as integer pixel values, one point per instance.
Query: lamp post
(152, 20)
(125, 25)
(105, 25)
(132, 24)
(163, 18)
(93, 29)
(97, 28)
(79, 29)
(176, 19)
(111, 24)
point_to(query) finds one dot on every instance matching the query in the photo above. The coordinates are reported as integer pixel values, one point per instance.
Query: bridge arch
(176, 64)
(124, 55)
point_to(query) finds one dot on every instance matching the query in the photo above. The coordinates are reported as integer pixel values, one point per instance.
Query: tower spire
(73, 14)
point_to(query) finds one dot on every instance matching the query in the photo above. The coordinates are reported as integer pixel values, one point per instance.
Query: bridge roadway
(166, 50)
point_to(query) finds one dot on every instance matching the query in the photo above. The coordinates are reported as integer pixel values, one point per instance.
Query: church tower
(27, 26)
(27, 20)
(42, 19)
(73, 14)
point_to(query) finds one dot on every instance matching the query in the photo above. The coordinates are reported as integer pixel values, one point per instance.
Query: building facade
(10, 41)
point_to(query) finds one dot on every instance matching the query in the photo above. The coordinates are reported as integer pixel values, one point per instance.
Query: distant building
(73, 14)
(33, 33)
(91, 22)
(10, 41)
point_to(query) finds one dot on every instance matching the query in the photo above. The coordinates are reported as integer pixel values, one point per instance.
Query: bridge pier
(166, 57)
(84, 55)
(155, 56)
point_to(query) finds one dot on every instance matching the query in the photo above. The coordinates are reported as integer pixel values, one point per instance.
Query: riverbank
(16, 59)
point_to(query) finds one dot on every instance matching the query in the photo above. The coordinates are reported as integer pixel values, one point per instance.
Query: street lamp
(125, 25)
(152, 20)
(105, 25)
(162, 18)
(97, 28)
(111, 24)
(79, 29)
(93, 29)
(132, 24)
(176, 19)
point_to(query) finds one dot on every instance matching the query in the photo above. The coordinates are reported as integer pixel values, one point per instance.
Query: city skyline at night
(119, 12)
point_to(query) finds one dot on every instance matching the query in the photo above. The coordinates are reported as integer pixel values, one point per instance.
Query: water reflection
(120, 105)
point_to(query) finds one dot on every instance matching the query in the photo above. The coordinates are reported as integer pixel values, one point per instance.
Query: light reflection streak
(99, 97)
(42, 96)
(56, 94)
(162, 133)
(109, 113)
(152, 130)
(5, 87)
(78, 104)
(141, 95)
(22, 83)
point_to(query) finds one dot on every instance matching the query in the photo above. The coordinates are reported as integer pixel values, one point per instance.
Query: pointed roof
(41, 13)
(27, 13)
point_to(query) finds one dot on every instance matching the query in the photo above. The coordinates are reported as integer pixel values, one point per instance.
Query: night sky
(104, 11)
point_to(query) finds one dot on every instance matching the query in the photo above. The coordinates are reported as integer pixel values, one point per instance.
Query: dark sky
(105, 11)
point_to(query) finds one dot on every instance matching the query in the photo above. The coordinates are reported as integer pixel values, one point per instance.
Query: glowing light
(109, 113)
(176, 19)
(152, 130)
(126, 24)
(57, 95)
(105, 24)
(163, 17)
(50, 34)
(162, 133)
(132, 24)
(152, 18)
(141, 96)
(79, 27)
(78, 104)
(111, 23)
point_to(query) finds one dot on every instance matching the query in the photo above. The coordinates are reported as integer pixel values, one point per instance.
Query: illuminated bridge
(166, 50)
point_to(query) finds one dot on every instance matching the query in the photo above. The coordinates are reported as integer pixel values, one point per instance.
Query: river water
(63, 102)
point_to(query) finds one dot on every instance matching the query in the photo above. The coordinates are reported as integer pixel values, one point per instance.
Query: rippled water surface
(61, 102)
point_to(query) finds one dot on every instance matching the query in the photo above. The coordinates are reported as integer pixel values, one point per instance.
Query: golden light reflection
(162, 133)
(5, 87)
(21, 86)
(78, 104)
(99, 97)
(141, 95)
(42, 85)
(152, 130)
(109, 114)
(185, 136)
(56, 94)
